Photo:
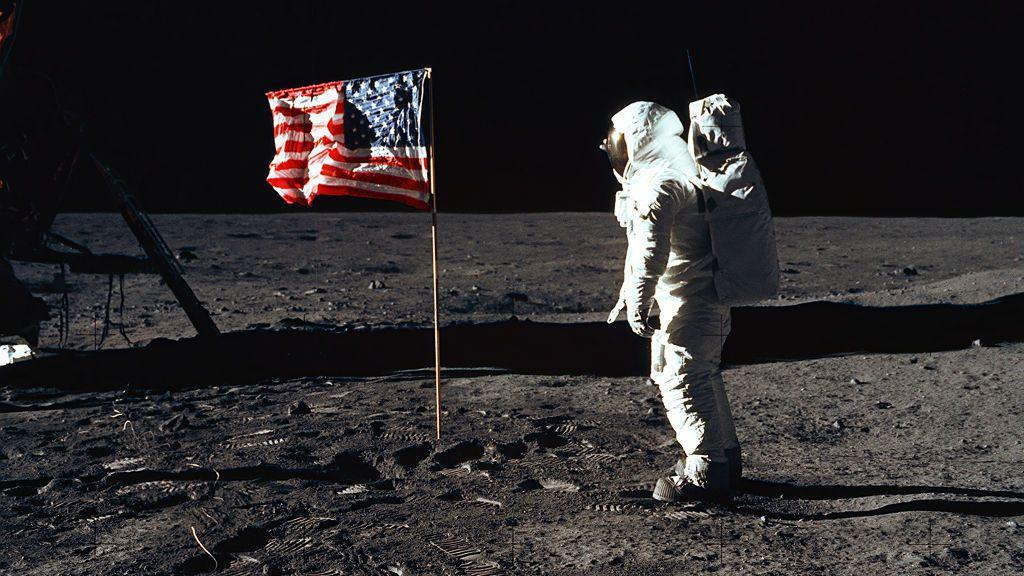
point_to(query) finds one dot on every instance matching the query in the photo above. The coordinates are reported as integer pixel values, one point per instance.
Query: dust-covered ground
(880, 464)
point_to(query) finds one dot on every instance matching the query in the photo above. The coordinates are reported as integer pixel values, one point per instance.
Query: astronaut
(670, 262)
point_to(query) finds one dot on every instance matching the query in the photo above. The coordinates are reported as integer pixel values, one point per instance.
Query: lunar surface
(904, 462)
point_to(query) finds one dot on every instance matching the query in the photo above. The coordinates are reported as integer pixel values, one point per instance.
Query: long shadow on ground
(989, 509)
(789, 491)
(759, 334)
(764, 498)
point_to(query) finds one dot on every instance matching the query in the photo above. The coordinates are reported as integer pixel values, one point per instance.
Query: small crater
(815, 433)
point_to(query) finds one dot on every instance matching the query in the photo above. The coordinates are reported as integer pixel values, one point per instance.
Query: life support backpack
(733, 200)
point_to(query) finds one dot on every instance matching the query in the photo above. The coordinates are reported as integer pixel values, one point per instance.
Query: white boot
(735, 457)
(708, 481)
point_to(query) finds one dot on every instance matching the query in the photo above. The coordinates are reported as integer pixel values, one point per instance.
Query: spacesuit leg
(730, 442)
(691, 356)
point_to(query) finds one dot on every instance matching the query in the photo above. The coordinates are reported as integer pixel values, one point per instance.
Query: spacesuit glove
(619, 307)
(639, 321)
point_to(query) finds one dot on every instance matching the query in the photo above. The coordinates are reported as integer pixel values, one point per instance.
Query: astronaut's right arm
(623, 215)
(620, 304)
(651, 215)
(649, 246)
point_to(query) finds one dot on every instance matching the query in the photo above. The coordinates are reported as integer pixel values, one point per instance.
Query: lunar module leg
(159, 254)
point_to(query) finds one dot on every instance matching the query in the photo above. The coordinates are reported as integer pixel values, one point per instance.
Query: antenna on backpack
(693, 77)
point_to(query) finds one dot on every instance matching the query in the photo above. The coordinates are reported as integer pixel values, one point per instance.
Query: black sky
(862, 108)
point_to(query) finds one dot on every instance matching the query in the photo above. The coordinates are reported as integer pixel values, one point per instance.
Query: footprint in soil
(512, 450)
(464, 451)
(549, 421)
(411, 456)
(454, 495)
(300, 454)
(354, 469)
(527, 485)
(636, 492)
(546, 439)
(250, 539)
(99, 451)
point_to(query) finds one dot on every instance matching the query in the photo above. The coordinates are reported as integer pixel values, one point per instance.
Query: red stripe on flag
(295, 199)
(418, 163)
(303, 127)
(303, 110)
(327, 190)
(306, 90)
(296, 146)
(376, 178)
(289, 164)
(287, 183)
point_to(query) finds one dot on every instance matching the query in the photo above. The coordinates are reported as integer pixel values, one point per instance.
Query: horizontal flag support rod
(325, 85)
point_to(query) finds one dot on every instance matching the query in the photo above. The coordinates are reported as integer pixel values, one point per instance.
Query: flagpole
(433, 240)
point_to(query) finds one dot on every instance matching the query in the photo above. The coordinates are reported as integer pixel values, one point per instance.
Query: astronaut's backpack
(732, 198)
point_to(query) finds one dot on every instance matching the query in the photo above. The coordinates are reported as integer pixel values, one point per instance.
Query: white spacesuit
(670, 262)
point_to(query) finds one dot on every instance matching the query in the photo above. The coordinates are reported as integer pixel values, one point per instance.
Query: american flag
(360, 137)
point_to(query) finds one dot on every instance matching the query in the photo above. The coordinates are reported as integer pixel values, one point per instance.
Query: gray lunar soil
(858, 464)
